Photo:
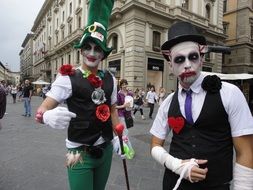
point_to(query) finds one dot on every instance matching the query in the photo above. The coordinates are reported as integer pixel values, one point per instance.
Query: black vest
(86, 128)
(208, 138)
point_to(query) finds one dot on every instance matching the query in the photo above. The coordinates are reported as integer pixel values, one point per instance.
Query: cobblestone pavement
(33, 156)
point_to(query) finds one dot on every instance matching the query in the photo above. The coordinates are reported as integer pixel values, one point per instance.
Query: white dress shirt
(234, 102)
(151, 97)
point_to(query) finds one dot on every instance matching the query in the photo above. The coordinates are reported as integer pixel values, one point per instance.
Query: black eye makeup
(98, 49)
(89, 47)
(179, 59)
(194, 56)
(86, 47)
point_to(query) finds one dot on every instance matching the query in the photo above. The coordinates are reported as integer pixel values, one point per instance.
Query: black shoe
(29, 115)
(24, 115)
(150, 117)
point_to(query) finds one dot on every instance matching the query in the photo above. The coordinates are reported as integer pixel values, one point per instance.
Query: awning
(239, 76)
(40, 82)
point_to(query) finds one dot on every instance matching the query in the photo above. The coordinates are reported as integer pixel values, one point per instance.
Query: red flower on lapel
(176, 123)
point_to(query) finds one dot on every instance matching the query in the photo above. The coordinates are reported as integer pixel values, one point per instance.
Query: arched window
(62, 61)
(79, 22)
(78, 57)
(224, 6)
(62, 34)
(115, 43)
(185, 4)
(69, 59)
(208, 12)
(70, 28)
(156, 41)
(70, 8)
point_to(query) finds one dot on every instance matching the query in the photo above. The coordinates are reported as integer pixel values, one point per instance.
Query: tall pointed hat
(98, 20)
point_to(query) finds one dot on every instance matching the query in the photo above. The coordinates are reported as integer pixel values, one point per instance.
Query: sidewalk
(33, 156)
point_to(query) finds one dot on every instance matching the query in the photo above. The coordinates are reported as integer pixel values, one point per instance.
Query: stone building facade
(238, 25)
(26, 58)
(137, 30)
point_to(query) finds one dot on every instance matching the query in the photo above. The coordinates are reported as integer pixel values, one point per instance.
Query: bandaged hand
(187, 169)
(197, 173)
(242, 177)
(58, 118)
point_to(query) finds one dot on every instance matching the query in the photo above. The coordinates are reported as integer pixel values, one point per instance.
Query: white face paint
(186, 62)
(92, 54)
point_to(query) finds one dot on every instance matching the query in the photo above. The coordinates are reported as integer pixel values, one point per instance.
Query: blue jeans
(27, 105)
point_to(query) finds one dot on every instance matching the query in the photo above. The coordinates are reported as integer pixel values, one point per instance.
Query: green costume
(91, 171)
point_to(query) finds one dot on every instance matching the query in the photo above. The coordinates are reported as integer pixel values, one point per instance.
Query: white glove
(116, 147)
(58, 118)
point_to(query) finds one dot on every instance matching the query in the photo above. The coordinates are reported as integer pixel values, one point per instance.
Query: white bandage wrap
(243, 177)
(174, 164)
(164, 158)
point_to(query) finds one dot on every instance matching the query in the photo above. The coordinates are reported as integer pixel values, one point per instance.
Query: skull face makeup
(186, 62)
(92, 54)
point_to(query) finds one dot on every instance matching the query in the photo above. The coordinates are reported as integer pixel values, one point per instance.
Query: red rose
(95, 80)
(103, 112)
(67, 69)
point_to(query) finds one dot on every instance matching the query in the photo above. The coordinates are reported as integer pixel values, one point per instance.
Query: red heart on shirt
(176, 123)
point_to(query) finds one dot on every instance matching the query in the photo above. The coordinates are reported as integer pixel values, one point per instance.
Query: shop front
(155, 68)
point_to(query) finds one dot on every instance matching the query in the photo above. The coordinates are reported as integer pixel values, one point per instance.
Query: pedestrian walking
(27, 96)
(14, 92)
(138, 103)
(151, 99)
(124, 106)
(161, 95)
(20, 92)
(207, 119)
(45, 89)
(91, 96)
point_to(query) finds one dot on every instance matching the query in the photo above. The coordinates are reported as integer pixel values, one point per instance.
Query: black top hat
(182, 32)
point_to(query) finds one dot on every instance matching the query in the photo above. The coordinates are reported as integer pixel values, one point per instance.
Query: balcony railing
(61, 2)
(56, 8)
(69, 19)
(78, 9)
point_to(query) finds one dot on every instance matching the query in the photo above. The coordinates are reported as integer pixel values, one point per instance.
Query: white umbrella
(239, 76)
(40, 82)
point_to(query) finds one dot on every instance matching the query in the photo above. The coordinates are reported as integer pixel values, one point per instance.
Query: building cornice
(27, 38)
(235, 11)
(45, 7)
(167, 12)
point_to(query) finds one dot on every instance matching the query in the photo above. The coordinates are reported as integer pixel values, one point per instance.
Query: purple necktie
(188, 106)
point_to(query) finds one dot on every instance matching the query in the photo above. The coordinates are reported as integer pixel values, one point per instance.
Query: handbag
(129, 121)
